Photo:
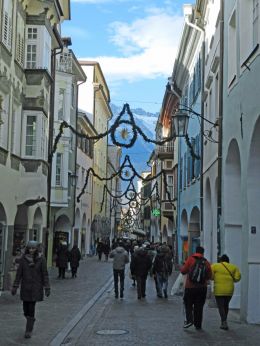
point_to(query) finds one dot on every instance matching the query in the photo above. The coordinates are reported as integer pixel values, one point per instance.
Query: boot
(29, 327)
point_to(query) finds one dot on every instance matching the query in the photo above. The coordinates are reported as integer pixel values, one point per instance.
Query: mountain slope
(140, 152)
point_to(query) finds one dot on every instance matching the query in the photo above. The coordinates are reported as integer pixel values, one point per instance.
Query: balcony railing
(64, 63)
(166, 148)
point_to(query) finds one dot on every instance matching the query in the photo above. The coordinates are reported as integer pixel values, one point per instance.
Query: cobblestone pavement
(149, 322)
(66, 299)
(155, 322)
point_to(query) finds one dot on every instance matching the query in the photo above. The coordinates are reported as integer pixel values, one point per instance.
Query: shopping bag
(178, 286)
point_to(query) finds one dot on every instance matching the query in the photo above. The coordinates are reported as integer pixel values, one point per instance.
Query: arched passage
(62, 231)
(183, 244)
(233, 211)
(36, 231)
(76, 229)
(20, 228)
(253, 193)
(194, 229)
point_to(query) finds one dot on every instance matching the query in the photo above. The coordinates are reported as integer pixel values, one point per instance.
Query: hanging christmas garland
(112, 132)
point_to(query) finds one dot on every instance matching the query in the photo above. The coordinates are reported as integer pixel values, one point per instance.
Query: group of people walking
(197, 270)
(145, 260)
(64, 256)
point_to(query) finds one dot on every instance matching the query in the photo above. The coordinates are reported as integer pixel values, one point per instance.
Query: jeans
(119, 273)
(29, 309)
(194, 300)
(223, 305)
(162, 284)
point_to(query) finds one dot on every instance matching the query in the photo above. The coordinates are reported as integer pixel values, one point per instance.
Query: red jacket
(187, 266)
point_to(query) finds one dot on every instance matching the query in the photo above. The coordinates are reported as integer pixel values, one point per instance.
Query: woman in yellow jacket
(224, 274)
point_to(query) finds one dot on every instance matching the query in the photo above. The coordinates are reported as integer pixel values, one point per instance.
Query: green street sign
(156, 212)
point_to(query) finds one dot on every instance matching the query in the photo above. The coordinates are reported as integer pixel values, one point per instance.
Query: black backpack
(198, 271)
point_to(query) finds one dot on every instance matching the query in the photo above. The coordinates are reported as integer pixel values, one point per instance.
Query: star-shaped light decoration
(124, 133)
(126, 173)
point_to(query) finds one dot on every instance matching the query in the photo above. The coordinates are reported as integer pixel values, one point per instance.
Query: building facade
(94, 98)
(29, 37)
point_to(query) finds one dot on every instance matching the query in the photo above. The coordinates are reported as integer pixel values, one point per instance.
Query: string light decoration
(132, 196)
(127, 164)
(127, 130)
(124, 132)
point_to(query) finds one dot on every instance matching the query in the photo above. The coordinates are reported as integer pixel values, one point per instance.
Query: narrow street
(83, 311)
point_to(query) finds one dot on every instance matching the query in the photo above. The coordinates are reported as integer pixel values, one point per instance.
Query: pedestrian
(136, 248)
(62, 259)
(162, 268)
(199, 272)
(99, 250)
(33, 275)
(74, 258)
(140, 265)
(106, 249)
(120, 259)
(224, 275)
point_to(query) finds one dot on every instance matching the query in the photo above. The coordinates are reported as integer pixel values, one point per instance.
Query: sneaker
(121, 295)
(187, 324)
(116, 296)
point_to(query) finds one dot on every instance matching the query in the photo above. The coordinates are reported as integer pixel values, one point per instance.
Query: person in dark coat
(33, 275)
(100, 250)
(140, 265)
(106, 249)
(162, 268)
(74, 258)
(62, 259)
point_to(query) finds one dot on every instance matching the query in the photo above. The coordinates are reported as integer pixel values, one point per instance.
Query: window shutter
(7, 24)
(20, 40)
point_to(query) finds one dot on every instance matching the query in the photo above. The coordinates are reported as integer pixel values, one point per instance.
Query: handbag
(228, 271)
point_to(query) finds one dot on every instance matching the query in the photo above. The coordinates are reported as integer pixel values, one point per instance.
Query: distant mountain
(141, 151)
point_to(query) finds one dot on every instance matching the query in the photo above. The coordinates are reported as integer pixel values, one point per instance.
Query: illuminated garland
(112, 132)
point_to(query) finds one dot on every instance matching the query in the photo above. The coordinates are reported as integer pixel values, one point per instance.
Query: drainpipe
(54, 52)
(202, 30)
(220, 129)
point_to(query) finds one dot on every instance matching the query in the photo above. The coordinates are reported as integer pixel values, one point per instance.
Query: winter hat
(32, 243)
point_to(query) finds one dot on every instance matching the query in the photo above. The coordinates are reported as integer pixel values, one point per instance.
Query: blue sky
(135, 42)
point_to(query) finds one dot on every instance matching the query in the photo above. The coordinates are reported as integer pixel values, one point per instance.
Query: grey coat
(33, 277)
(120, 258)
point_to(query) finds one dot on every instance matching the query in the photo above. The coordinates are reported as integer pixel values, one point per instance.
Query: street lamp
(180, 122)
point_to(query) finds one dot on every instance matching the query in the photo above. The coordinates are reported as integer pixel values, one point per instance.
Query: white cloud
(148, 47)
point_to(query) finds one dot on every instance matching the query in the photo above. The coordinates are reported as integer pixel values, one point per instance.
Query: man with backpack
(198, 272)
